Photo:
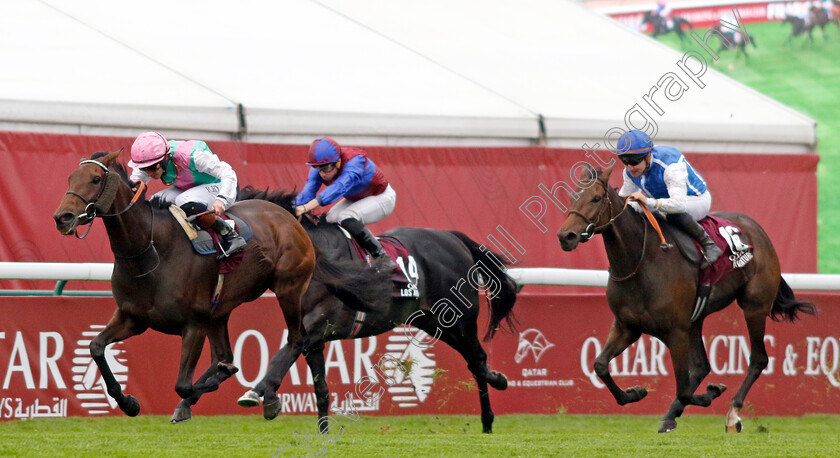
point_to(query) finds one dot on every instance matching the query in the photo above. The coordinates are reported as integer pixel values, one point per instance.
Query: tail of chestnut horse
(502, 301)
(786, 307)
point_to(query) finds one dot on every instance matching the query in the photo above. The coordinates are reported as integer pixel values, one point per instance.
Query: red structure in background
(479, 191)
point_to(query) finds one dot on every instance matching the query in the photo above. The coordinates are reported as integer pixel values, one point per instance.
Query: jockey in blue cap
(660, 178)
(349, 175)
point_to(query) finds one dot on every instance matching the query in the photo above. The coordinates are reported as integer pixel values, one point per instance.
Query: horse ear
(111, 157)
(605, 175)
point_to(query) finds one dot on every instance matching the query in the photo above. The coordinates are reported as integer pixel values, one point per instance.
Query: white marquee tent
(433, 72)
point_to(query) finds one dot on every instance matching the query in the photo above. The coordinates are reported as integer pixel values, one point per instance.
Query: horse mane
(280, 197)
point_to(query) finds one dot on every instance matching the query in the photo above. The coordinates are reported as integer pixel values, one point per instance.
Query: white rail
(524, 276)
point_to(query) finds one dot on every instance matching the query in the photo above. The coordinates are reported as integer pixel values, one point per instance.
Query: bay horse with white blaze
(652, 291)
(448, 269)
(160, 282)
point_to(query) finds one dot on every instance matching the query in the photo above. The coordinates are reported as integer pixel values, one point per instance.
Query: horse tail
(355, 284)
(786, 307)
(503, 298)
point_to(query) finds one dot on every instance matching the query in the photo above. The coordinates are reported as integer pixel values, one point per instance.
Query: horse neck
(128, 232)
(624, 239)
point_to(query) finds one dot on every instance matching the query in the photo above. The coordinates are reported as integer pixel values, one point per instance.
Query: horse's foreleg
(119, 328)
(756, 318)
(221, 368)
(192, 341)
(700, 368)
(315, 360)
(681, 350)
(619, 339)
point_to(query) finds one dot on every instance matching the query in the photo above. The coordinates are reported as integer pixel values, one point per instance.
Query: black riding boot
(230, 240)
(711, 252)
(369, 243)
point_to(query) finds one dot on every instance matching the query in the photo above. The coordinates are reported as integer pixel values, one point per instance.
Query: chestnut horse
(160, 282)
(652, 291)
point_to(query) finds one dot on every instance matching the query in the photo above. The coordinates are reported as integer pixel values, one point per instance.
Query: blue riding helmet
(634, 142)
(324, 151)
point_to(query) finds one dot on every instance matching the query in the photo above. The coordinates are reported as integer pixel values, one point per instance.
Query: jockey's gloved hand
(135, 185)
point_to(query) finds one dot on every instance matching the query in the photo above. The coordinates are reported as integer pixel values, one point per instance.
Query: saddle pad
(405, 278)
(736, 253)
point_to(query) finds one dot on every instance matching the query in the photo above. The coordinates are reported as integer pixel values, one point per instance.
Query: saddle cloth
(405, 278)
(736, 253)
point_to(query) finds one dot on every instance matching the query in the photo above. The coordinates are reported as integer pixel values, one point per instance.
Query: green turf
(433, 436)
(806, 78)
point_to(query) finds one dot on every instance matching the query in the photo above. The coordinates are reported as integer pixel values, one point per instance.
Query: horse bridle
(591, 229)
(105, 198)
(103, 201)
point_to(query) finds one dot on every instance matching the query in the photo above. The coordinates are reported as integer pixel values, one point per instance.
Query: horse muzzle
(568, 240)
(66, 222)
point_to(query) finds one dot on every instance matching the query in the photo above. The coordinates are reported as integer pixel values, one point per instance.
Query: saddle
(207, 242)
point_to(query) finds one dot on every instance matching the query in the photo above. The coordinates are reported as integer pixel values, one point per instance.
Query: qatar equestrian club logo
(531, 341)
(88, 382)
(413, 383)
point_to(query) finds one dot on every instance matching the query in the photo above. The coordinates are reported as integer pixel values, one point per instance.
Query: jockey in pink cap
(364, 193)
(199, 180)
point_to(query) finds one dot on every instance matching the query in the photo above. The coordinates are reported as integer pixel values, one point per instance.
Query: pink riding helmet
(148, 149)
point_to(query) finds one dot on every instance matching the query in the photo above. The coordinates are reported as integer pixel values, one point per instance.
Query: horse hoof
(131, 406)
(500, 382)
(637, 393)
(736, 428)
(181, 415)
(715, 389)
(733, 421)
(249, 399)
(271, 409)
(667, 426)
(229, 369)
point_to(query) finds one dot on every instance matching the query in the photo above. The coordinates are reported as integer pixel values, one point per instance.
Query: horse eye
(96, 180)
(596, 199)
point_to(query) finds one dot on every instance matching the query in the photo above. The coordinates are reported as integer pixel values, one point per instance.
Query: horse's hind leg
(119, 328)
(221, 368)
(465, 341)
(699, 370)
(756, 317)
(619, 339)
(315, 360)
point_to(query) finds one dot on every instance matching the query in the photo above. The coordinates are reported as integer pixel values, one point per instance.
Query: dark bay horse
(737, 41)
(661, 26)
(798, 26)
(652, 291)
(159, 282)
(451, 269)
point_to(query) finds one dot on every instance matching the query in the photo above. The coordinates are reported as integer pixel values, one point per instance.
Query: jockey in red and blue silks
(199, 180)
(364, 193)
(661, 179)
